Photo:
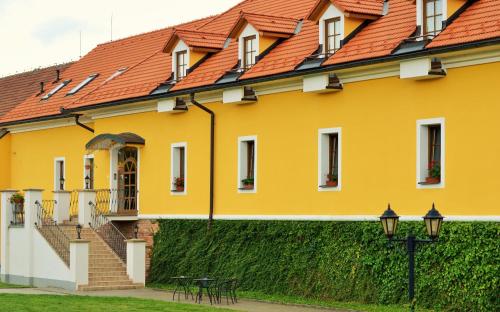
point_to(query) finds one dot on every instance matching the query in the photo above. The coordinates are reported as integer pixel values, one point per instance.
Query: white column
(6, 217)
(61, 206)
(136, 260)
(31, 196)
(84, 208)
(79, 261)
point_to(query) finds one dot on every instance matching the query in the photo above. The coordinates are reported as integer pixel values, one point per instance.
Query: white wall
(47, 264)
(249, 30)
(331, 12)
(18, 252)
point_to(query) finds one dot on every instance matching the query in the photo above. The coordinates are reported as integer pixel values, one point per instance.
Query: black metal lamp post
(433, 221)
(136, 231)
(79, 231)
(87, 183)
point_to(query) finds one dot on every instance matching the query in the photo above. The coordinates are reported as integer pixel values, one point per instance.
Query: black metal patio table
(182, 283)
(208, 284)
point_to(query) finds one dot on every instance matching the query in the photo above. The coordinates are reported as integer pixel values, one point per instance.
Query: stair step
(120, 287)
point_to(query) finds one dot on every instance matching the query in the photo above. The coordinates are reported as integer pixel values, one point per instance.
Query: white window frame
(56, 172)
(173, 163)
(181, 46)
(248, 31)
(422, 152)
(420, 13)
(242, 164)
(323, 158)
(85, 157)
(331, 12)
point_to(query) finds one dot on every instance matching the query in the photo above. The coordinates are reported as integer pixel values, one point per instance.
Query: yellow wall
(350, 24)
(265, 42)
(5, 162)
(453, 6)
(195, 57)
(33, 154)
(378, 120)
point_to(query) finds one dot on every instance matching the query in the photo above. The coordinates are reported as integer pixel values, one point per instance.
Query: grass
(258, 296)
(51, 303)
(7, 286)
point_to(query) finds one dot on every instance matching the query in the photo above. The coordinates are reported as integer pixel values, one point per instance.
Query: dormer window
(249, 51)
(433, 17)
(182, 65)
(333, 35)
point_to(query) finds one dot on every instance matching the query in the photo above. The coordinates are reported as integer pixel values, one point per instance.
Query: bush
(343, 261)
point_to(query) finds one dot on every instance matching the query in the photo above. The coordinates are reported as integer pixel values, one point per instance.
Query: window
(82, 84)
(329, 149)
(332, 35)
(88, 173)
(433, 17)
(59, 174)
(247, 160)
(249, 51)
(56, 89)
(181, 61)
(178, 169)
(430, 158)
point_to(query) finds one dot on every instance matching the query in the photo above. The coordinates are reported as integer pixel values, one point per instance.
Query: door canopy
(107, 140)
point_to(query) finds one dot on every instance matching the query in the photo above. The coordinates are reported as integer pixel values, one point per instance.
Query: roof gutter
(212, 157)
(291, 74)
(3, 133)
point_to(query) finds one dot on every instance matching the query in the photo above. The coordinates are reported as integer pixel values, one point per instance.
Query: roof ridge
(31, 71)
(179, 26)
(267, 15)
(196, 31)
(225, 12)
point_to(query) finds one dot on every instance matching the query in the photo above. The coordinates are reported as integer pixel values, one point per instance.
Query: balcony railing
(108, 232)
(116, 202)
(73, 205)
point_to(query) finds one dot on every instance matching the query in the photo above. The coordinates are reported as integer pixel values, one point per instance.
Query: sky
(36, 33)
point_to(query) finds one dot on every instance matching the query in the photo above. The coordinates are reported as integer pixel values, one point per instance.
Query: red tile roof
(17, 88)
(196, 39)
(286, 56)
(148, 67)
(380, 37)
(480, 21)
(361, 7)
(265, 23)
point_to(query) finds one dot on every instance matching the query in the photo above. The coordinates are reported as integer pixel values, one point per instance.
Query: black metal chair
(227, 288)
(208, 285)
(182, 284)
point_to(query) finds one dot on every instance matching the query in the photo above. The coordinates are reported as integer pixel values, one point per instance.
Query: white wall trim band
(311, 217)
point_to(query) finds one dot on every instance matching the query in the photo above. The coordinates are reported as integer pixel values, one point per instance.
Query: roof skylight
(82, 84)
(116, 74)
(56, 89)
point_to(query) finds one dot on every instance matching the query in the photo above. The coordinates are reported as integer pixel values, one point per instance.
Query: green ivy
(342, 261)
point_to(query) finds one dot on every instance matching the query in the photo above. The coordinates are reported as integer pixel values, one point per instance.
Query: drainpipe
(78, 123)
(212, 157)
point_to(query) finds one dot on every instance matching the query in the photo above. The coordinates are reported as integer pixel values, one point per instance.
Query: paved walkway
(242, 305)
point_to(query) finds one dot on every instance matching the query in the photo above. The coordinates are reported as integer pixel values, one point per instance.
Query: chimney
(58, 75)
(41, 88)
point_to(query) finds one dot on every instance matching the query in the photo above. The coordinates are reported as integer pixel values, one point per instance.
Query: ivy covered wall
(345, 261)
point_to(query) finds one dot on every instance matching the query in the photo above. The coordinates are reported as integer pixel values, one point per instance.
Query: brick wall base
(147, 230)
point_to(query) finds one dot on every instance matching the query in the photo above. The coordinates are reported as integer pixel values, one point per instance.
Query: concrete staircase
(106, 269)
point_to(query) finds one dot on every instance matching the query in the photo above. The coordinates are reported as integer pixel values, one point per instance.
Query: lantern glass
(433, 221)
(389, 222)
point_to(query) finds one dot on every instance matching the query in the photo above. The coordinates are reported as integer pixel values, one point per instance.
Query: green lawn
(50, 303)
(312, 302)
(4, 286)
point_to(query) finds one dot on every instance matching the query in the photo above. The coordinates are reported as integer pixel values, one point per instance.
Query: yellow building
(321, 112)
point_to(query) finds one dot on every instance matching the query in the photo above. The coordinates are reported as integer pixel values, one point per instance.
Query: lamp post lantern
(433, 221)
(87, 183)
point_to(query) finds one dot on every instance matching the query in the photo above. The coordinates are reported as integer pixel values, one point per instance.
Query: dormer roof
(368, 9)
(274, 26)
(480, 21)
(196, 40)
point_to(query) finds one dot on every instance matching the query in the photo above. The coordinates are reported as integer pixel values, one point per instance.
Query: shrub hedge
(342, 261)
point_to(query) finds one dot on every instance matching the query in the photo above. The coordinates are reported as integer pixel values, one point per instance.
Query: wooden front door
(127, 181)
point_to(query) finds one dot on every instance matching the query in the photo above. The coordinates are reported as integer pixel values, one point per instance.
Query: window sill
(328, 187)
(246, 189)
(429, 183)
(176, 191)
